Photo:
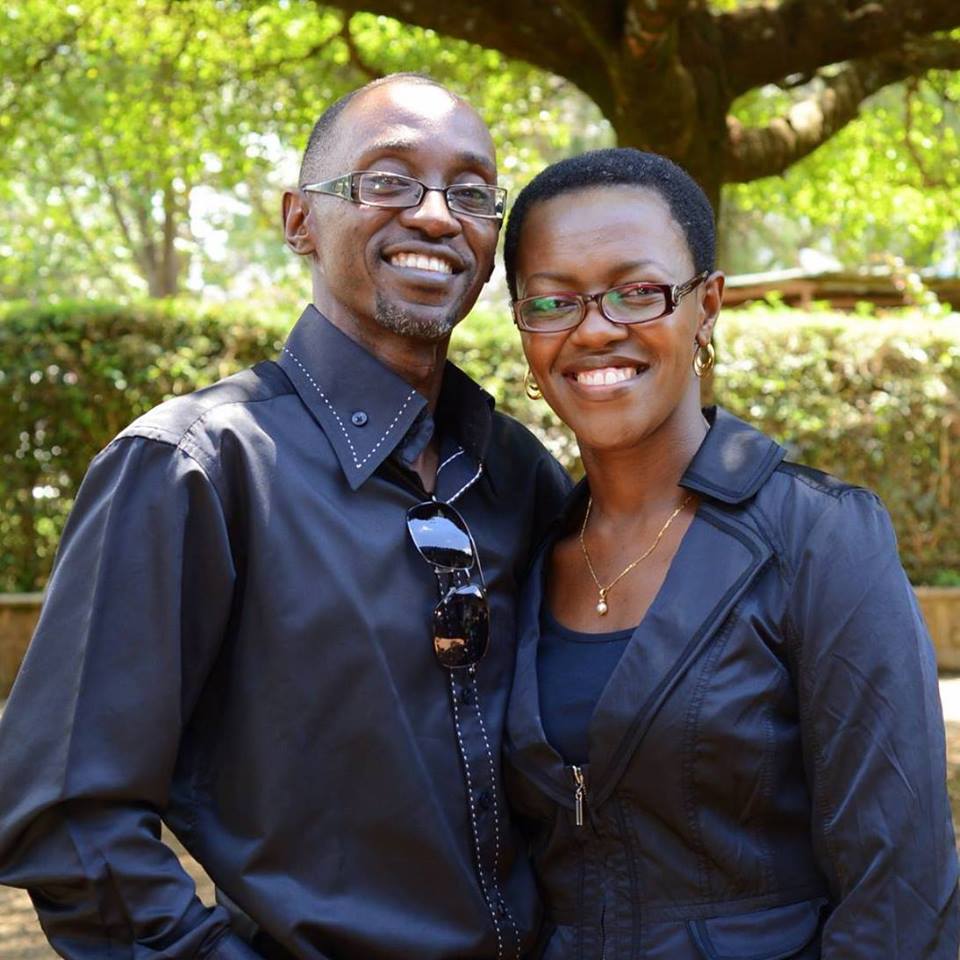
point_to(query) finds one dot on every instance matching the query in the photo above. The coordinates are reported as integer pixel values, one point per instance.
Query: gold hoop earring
(530, 386)
(704, 359)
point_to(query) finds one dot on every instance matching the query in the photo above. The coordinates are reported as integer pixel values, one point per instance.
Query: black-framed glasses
(461, 620)
(626, 303)
(377, 188)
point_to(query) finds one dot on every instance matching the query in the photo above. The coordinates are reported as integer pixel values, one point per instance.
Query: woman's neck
(643, 480)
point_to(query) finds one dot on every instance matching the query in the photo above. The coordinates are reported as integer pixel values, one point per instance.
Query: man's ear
(295, 213)
(710, 306)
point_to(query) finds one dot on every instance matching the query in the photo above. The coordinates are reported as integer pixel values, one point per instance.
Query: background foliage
(872, 400)
(144, 145)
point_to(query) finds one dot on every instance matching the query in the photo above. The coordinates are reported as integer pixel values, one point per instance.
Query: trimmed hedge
(72, 375)
(872, 400)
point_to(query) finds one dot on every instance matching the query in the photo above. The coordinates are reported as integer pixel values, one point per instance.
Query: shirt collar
(364, 408)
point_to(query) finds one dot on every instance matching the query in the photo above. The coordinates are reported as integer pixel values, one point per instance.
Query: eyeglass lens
(461, 626)
(440, 535)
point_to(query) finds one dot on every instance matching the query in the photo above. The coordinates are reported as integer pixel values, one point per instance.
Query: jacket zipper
(579, 794)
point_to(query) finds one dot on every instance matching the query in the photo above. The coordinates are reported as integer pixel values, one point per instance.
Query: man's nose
(432, 216)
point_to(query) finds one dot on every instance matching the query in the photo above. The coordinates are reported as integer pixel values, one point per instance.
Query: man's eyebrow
(466, 158)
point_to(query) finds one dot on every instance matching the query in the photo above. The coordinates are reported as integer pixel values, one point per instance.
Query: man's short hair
(324, 134)
(619, 166)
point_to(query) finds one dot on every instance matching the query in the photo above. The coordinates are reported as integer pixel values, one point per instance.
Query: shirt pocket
(790, 932)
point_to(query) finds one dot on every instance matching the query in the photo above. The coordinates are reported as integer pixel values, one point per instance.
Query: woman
(724, 729)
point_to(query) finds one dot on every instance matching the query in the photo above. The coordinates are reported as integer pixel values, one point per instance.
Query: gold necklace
(604, 590)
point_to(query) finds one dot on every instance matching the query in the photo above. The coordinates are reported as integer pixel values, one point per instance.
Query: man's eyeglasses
(626, 303)
(377, 189)
(461, 620)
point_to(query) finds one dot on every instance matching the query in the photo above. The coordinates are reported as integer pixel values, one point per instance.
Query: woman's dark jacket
(766, 775)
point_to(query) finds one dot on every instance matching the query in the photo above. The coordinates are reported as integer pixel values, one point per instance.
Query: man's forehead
(399, 118)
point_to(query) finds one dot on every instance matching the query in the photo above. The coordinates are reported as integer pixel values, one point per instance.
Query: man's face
(414, 271)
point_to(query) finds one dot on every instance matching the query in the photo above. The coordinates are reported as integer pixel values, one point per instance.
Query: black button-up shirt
(237, 638)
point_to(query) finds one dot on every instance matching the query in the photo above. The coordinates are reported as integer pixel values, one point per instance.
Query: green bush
(74, 374)
(873, 400)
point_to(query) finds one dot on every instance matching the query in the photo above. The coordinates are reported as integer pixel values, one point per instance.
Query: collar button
(358, 418)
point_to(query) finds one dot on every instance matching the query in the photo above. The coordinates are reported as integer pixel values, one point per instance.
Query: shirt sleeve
(133, 618)
(873, 739)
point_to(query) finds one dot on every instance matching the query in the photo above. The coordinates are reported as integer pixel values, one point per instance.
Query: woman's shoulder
(805, 511)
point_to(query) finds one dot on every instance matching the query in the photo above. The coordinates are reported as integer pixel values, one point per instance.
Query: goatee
(395, 318)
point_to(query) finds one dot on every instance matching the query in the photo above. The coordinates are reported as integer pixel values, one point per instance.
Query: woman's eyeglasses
(461, 620)
(626, 303)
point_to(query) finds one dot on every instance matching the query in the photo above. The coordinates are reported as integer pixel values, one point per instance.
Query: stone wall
(941, 609)
(18, 617)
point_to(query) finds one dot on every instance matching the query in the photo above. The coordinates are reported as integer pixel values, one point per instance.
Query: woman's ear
(710, 306)
(296, 232)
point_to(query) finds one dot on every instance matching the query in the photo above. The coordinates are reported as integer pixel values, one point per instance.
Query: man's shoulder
(514, 439)
(175, 420)
(517, 453)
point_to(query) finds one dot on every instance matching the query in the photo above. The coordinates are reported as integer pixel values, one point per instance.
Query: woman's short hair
(619, 166)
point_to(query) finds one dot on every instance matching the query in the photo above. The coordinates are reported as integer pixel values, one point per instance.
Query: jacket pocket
(790, 932)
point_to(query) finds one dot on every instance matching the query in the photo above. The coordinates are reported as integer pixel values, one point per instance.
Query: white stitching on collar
(357, 462)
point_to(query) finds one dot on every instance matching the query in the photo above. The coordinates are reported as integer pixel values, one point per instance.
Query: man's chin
(415, 322)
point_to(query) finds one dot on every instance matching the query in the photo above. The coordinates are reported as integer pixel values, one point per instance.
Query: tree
(134, 134)
(666, 73)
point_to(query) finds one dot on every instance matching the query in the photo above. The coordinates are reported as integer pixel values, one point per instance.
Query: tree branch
(356, 58)
(920, 161)
(106, 181)
(91, 247)
(763, 44)
(544, 35)
(754, 152)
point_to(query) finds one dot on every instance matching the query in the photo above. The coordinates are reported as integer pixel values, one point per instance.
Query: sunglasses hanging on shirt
(461, 620)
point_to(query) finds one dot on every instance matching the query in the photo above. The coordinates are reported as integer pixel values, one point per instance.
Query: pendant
(602, 603)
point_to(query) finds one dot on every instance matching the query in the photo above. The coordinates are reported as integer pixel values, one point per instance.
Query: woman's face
(588, 241)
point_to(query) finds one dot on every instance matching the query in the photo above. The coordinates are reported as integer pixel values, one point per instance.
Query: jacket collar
(734, 460)
(365, 409)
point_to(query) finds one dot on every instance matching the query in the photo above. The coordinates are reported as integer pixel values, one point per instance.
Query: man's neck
(419, 362)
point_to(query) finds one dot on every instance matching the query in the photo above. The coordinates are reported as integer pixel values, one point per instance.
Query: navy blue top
(236, 638)
(572, 670)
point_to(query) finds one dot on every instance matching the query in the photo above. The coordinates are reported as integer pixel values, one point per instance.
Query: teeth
(420, 261)
(605, 376)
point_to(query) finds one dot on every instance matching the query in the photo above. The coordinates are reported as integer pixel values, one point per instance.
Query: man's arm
(873, 743)
(132, 621)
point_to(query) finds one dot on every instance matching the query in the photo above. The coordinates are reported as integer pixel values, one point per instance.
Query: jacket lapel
(717, 560)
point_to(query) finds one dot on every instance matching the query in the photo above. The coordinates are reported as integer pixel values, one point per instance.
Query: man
(267, 616)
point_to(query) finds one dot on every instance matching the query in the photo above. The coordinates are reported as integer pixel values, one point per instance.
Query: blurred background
(144, 146)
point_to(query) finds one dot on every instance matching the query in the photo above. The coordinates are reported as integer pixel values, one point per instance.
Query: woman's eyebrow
(622, 267)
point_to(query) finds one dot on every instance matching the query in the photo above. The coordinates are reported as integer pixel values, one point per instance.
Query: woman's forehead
(617, 220)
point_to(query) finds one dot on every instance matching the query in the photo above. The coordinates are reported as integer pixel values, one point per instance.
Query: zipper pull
(579, 795)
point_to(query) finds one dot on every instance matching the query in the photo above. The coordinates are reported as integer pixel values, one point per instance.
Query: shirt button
(358, 418)
(466, 697)
(483, 800)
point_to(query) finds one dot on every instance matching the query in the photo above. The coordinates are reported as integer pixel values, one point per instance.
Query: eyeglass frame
(672, 295)
(346, 186)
